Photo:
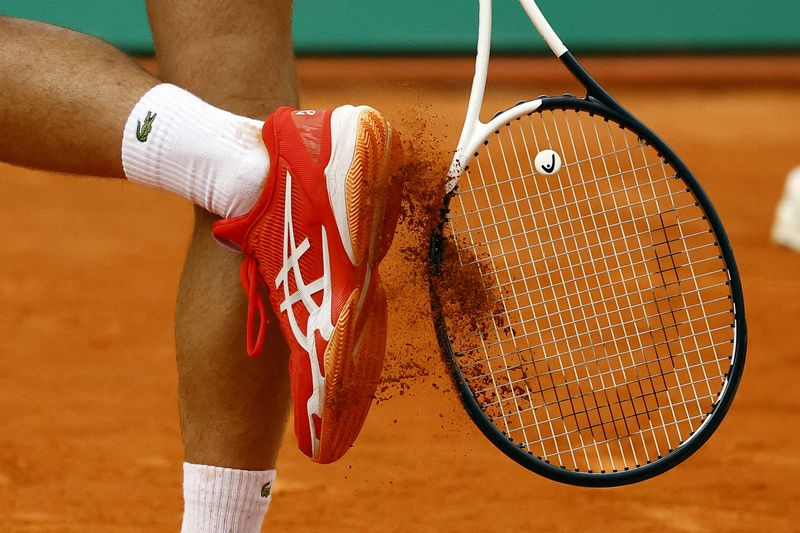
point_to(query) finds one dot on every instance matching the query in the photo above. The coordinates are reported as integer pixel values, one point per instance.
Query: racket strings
(613, 336)
(610, 284)
(605, 328)
(566, 189)
(612, 225)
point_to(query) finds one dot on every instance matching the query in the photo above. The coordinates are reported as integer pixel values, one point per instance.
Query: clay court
(89, 436)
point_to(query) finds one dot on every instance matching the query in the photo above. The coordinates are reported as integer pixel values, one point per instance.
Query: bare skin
(65, 99)
(233, 409)
(66, 105)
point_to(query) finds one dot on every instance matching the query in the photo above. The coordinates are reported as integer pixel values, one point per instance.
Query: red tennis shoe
(325, 220)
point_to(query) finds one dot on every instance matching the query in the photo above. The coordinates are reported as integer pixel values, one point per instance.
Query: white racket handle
(543, 27)
(473, 127)
(472, 119)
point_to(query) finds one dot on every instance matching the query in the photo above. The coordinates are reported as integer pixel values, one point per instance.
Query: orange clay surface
(89, 437)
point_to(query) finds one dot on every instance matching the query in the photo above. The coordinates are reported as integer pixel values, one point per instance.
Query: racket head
(626, 316)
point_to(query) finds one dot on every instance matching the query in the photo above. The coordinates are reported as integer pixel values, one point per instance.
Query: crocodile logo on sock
(143, 130)
(266, 490)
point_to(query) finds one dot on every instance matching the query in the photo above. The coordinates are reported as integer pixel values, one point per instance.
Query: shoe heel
(364, 187)
(373, 193)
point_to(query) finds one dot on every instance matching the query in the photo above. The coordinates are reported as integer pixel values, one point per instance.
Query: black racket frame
(599, 102)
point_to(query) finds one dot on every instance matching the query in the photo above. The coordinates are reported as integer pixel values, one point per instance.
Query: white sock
(224, 499)
(175, 142)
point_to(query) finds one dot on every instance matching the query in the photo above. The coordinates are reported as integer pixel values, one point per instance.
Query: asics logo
(320, 318)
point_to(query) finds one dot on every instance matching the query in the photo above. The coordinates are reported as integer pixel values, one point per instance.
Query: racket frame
(474, 131)
(600, 103)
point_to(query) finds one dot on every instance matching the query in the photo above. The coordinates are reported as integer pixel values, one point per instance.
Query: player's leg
(72, 103)
(233, 408)
(64, 99)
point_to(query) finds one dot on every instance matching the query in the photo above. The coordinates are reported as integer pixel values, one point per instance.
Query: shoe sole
(355, 352)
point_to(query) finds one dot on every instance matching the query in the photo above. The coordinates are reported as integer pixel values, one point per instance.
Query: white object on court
(548, 162)
(786, 229)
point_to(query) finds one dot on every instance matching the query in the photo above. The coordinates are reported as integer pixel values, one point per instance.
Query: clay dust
(413, 357)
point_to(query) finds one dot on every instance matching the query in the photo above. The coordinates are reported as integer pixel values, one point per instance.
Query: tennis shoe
(786, 228)
(315, 239)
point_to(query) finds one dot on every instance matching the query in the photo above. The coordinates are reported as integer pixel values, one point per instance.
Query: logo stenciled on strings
(320, 318)
(550, 166)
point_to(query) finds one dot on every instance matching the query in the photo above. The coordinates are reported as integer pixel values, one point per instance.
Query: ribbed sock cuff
(176, 142)
(220, 499)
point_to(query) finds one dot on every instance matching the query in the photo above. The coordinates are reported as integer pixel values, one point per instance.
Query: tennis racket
(615, 337)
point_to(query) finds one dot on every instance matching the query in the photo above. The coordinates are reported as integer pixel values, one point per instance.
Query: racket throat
(593, 89)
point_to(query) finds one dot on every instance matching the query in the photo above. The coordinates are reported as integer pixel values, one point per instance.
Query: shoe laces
(248, 275)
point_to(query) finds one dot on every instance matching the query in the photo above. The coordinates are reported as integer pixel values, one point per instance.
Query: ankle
(225, 499)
